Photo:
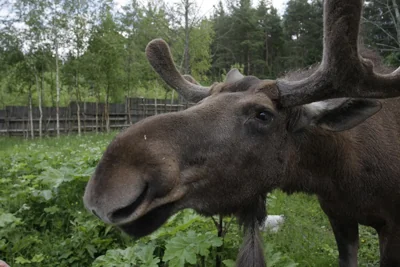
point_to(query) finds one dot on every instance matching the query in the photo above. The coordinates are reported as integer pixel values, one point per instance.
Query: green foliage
(185, 247)
(277, 258)
(42, 217)
(306, 236)
(381, 29)
(138, 255)
(101, 52)
(303, 40)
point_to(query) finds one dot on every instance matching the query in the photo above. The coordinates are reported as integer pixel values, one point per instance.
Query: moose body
(215, 159)
(246, 137)
(355, 175)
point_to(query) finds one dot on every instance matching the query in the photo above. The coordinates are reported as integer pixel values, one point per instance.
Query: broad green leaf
(46, 194)
(37, 258)
(7, 219)
(185, 247)
(22, 260)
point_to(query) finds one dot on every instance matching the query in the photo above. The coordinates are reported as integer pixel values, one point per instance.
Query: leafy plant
(187, 247)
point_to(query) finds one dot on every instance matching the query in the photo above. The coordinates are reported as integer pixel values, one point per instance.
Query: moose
(322, 132)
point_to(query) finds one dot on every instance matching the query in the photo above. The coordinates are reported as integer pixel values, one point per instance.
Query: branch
(343, 71)
(382, 29)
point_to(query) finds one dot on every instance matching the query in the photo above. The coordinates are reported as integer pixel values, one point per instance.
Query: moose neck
(317, 160)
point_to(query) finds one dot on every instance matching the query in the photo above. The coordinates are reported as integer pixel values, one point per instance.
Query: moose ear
(336, 115)
(233, 76)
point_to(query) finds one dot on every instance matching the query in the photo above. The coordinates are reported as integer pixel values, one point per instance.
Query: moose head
(242, 139)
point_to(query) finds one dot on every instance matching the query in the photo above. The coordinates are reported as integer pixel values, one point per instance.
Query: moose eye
(264, 116)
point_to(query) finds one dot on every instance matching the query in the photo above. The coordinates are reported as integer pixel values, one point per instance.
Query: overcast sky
(206, 6)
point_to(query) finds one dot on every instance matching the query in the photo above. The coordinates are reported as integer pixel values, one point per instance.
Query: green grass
(8, 144)
(306, 236)
(43, 221)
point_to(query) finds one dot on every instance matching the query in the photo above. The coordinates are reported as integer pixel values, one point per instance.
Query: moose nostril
(125, 212)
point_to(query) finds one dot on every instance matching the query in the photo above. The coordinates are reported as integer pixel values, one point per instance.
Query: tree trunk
(267, 53)
(128, 106)
(30, 113)
(53, 103)
(97, 115)
(78, 116)
(84, 117)
(41, 97)
(248, 62)
(129, 110)
(69, 115)
(78, 98)
(186, 64)
(106, 111)
(58, 93)
(39, 90)
(25, 131)
(397, 20)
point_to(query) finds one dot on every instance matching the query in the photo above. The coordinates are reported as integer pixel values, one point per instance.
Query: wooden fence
(15, 120)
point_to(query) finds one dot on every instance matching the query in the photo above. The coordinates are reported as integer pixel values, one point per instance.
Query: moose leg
(389, 244)
(346, 235)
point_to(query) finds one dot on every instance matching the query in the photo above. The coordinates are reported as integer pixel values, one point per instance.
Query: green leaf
(55, 177)
(184, 247)
(37, 258)
(91, 250)
(21, 260)
(7, 219)
(52, 209)
(145, 254)
(46, 194)
(229, 263)
(180, 250)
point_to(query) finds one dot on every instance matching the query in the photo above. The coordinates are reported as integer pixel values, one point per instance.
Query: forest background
(53, 52)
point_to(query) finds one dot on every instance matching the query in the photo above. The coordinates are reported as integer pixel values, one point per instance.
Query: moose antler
(190, 79)
(159, 56)
(343, 71)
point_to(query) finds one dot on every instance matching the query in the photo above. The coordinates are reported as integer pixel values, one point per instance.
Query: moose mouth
(149, 222)
(127, 211)
(145, 215)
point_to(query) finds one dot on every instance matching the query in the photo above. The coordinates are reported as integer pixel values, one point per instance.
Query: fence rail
(16, 121)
